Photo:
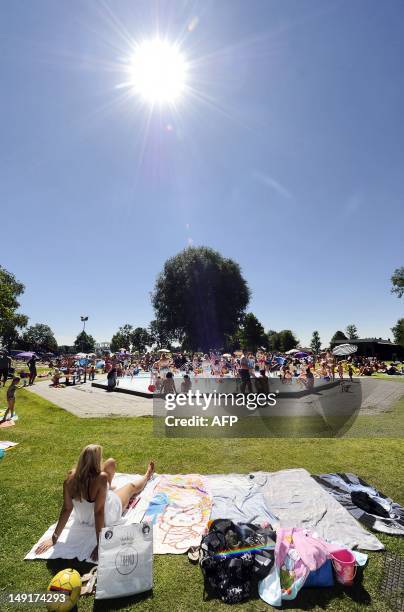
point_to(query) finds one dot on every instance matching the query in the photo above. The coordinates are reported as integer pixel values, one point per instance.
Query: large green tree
(398, 332)
(200, 298)
(160, 337)
(141, 339)
(10, 320)
(397, 281)
(122, 338)
(339, 335)
(281, 342)
(84, 343)
(287, 340)
(252, 334)
(66, 349)
(352, 332)
(272, 340)
(315, 343)
(39, 338)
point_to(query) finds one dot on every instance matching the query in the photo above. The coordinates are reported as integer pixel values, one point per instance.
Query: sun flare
(158, 71)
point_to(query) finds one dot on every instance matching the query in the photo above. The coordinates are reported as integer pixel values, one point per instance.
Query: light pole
(83, 320)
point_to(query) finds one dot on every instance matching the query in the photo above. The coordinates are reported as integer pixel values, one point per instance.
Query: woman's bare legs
(109, 467)
(132, 488)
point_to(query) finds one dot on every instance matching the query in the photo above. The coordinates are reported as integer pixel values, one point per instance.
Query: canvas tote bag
(125, 560)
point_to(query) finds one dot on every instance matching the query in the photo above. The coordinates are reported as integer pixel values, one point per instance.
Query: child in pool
(168, 385)
(186, 384)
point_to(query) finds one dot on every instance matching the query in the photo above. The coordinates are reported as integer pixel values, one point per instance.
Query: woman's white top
(84, 510)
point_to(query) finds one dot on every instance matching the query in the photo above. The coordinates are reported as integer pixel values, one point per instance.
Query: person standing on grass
(5, 365)
(11, 399)
(32, 369)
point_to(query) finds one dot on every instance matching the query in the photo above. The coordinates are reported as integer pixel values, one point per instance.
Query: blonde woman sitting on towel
(87, 489)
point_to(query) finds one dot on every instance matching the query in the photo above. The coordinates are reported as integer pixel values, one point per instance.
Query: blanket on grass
(299, 501)
(372, 508)
(181, 505)
(240, 498)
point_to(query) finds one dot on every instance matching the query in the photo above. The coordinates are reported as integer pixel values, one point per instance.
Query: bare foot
(150, 470)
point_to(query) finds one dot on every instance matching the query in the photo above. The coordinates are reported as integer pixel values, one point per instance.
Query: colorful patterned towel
(181, 520)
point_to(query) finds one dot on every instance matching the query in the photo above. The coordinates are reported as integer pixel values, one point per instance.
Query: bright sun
(158, 71)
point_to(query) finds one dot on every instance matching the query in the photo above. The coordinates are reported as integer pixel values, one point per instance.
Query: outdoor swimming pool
(139, 384)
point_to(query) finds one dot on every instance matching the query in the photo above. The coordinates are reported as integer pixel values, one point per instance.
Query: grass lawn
(50, 440)
(396, 378)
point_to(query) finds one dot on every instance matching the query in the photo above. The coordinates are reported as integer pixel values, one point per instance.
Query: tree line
(200, 301)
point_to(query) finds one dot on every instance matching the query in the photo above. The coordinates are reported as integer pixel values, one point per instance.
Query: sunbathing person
(87, 489)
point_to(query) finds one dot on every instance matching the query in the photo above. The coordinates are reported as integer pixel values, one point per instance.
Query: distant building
(375, 347)
(102, 346)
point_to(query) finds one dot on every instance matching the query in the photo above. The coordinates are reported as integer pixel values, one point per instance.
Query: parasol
(344, 349)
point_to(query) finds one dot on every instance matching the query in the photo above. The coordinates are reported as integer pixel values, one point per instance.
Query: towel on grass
(240, 498)
(8, 423)
(372, 508)
(179, 510)
(5, 444)
(299, 501)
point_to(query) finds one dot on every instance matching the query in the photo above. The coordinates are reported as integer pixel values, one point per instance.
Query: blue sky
(288, 157)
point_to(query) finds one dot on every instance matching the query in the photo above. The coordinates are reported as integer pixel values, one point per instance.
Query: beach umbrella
(344, 349)
(292, 352)
(25, 355)
(80, 356)
(301, 354)
(163, 351)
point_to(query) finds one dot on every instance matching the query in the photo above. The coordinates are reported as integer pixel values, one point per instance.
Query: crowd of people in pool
(301, 367)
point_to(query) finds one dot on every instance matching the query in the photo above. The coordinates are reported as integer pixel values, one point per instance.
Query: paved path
(86, 401)
(379, 395)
